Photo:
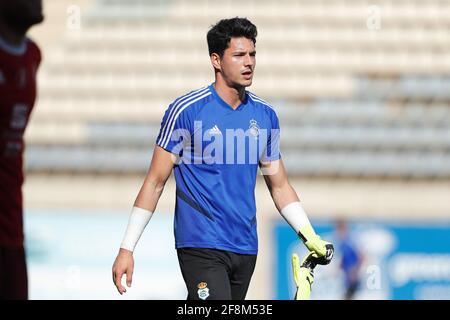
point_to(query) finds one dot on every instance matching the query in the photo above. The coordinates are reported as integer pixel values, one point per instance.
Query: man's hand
(124, 264)
(323, 249)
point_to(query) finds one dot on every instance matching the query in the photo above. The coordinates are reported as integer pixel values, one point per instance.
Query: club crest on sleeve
(203, 291)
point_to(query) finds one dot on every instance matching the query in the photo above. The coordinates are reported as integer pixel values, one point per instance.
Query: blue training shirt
(219, 150)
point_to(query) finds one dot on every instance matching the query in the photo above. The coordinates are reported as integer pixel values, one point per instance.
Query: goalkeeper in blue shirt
(215, 139)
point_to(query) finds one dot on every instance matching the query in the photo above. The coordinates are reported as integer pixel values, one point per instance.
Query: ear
(215, 61)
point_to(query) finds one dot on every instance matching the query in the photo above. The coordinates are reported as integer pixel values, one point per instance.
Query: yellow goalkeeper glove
(323, 249)
(303, 275)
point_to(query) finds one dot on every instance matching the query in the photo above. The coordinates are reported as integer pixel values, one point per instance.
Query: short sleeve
(175, 131)
(272, 151)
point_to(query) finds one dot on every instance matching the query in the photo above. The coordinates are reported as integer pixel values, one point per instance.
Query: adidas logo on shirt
(215, 130)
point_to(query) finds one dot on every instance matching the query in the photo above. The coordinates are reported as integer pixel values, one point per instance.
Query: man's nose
(248, 61)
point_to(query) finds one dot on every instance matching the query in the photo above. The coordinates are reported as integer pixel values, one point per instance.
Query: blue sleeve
(272, 152)
(175, 131)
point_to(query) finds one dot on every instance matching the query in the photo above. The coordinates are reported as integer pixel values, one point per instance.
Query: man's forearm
(142, 212)
(284, 195)
(290, 208)
(288, 204)
(149, 194)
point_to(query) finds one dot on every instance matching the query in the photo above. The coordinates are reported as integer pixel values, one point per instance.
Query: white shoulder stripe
(175, 106)
(255, 97)
(258, 99)
(182, 107)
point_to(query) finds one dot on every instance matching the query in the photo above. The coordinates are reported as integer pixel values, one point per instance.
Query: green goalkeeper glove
(323, 249)
(303, 275)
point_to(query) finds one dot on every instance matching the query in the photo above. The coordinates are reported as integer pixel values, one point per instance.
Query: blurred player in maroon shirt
(19, 61)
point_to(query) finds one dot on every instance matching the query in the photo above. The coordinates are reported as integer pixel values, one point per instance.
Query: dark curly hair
(220, 34)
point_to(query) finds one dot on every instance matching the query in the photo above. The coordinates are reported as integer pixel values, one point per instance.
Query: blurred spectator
(19, 60)
(351, 259)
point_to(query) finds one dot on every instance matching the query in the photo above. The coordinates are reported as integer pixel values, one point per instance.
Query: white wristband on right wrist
(137, 222)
